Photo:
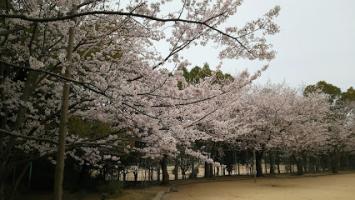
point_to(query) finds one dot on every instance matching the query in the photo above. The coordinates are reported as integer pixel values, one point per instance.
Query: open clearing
(333, 187)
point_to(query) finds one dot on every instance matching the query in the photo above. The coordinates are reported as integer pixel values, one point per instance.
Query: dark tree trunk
(176, 170)
(299, 165)
(334, 162)
(272, 163)
(278, 163)
(184, 169)
(18, 181)
(265, 164)
(135, 176)
(208, 170)
(211, 170)
(317, 165)
(193, 171)
(305, 164)
(158, 173)
(151, 173)
(124, 176)
(259, 168)
(324, 163)
(60, 159)
(312, 165)
(238, 169)
(164, 168)
(290, 165)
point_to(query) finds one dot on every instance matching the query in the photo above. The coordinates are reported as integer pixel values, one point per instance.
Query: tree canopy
(324, 87)
(349, 95)
(333, 91)
(197, 74)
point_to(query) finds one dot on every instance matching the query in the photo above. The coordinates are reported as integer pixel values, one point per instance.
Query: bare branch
(85, 85)
(9, 133)
(130, 14)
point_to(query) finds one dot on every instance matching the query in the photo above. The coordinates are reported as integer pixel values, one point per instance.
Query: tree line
(82, 88)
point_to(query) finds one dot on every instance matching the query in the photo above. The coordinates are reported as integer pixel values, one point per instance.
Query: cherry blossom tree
(96, 60)
(274, 118)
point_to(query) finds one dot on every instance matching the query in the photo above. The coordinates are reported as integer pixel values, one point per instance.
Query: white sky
(316, 42)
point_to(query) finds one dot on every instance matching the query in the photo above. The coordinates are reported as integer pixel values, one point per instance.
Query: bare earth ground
(128, 194)
(140, 194)
(332, 187)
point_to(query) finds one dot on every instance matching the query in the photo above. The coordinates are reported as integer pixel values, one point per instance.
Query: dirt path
(333, 187)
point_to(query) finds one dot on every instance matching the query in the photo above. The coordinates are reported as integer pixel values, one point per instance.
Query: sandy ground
(128, 194)
(140, 194)
(332, 187)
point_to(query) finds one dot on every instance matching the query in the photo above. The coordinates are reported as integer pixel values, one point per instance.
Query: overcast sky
(316, 42)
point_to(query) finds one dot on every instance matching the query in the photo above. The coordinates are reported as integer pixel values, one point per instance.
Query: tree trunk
(299, 165)
(193, 174)
(183, 173)
(317, 165)
(258, 160)
(151, 173)
(164, 168)
(124, 176)
(135, 174)
(158, 173)
(59, 169)
(335, 158)
(278, 163)
(290, 164)
(272, 163)
(6, 155)
(265, 165)
(176, 170)
(211, 170)
(238, 169)
(207, 170)
(305, 164)
(18, 181)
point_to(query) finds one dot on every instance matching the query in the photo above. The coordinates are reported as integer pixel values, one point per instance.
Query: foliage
(324, 87)
(349, 95)
(197, 74)
(86, 128)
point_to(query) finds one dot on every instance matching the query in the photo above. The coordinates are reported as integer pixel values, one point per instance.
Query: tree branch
(9, 133)
(85, 85)
(121, 13)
